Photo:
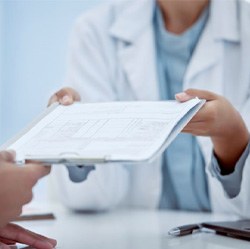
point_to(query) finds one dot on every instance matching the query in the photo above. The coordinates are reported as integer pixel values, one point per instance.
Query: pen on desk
(184, 230)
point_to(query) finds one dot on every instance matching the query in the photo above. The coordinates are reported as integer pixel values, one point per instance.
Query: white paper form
(115, 131)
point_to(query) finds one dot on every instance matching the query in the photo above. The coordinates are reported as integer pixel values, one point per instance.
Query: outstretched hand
(219, 120)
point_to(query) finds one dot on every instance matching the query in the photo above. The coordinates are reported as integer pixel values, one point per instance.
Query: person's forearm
(229, 150)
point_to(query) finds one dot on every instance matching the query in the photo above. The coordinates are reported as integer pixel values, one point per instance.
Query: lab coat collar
(131, 18)
(223, 25)
(225, 20)
(133, 27)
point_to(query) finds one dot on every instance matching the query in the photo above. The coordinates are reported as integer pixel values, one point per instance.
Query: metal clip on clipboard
(69, 159)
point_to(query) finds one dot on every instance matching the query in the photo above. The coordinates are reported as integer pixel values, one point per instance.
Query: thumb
(37, 171)
(8, 156)
(192, 93)
(67, 96)
(183, 97)
(202, 94)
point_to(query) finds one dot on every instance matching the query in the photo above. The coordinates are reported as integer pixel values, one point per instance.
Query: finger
(202, 94)
(67, 96)
(197, 128)
(41, 237)
(23, 236)
(8, 156)
(31, 173)
(35, 172)
(53, 100)
(4, 246)
(66, 100)
(183, 97)
(37, 163)
(202, 115)
(7, 241)
(208, 113)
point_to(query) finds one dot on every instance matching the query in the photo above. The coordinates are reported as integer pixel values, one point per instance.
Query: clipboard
(139, 116)
(6, 145)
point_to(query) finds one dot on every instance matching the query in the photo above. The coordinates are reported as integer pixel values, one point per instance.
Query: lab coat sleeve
(88, 73)
(240, 203)
(231, 182)
(79, 173)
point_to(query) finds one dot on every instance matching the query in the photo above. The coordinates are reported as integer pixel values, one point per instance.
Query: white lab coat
(112, 58)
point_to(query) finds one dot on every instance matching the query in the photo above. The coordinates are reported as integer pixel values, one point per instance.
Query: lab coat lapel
(136, 48)
(205, 73)
(139, 65)
(205, 59)
(205, 70)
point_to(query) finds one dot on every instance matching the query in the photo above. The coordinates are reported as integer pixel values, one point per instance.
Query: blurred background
(34, 37)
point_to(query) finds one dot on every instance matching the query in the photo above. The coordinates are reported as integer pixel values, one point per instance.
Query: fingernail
(182, 96)
(53, 242)
(50, 245)
(66, 99)
(41, 243)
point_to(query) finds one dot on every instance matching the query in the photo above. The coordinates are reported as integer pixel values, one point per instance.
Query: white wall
(33, 46)
(34, 49)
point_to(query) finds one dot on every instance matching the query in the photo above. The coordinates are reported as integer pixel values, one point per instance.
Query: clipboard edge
(34, 122)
